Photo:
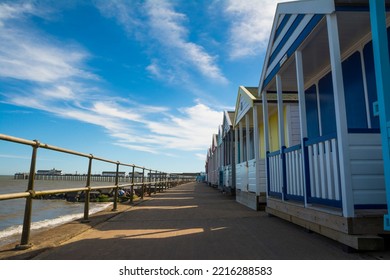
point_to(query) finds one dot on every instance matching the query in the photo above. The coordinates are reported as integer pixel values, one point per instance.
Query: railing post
(87, 192)
(284, 172)
(132, 185)
(306, 166)
(162, 181)
(155, 182)
(268, 181)
(143, 183)
(115, 207)
(24, 243)
(159, 181)
(150, 182)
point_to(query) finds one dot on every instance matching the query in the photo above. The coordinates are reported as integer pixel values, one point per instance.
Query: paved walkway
(188, 222)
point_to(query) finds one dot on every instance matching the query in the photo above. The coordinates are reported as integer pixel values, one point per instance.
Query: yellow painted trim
(247, 93)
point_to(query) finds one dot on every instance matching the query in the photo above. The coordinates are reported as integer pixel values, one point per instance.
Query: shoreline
(45, 239)
(13, 233)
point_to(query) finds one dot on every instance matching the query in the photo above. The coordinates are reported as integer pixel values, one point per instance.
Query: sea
(46, 213)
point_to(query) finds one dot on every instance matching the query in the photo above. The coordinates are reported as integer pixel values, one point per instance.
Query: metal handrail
(30, 193)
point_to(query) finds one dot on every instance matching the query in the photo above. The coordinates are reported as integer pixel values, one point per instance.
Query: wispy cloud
(125, 13)
(160, 23)
(25, 57)
(168, 27)
(160, 132)
(13, 156)
(9, 11)
(250, 25)
(58, 82)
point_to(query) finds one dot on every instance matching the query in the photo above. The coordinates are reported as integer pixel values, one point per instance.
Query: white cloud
(25, 57)
(58, 83)
(152, 21)
(159, 72)
(14, 156)
(9, 11)
(200, 156)
(59, 92)
(167, 27)
(139, 127)
(251, 23)
(125, 13)
(111, 109)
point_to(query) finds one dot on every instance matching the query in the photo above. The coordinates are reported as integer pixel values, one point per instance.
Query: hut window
(354, 92)
(313, 129)
(327, 107)
(252, 148)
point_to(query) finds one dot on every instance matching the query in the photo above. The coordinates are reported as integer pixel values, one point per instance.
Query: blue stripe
(328, 202)
(292, 148)
(356, 8)
(364, 130)
(267, 167)
(286, 36)
(284, 172)
(370, 206)
(278, 152)
(275, 194)
(320, 139)
(282, 25)
(294, 197)
(305, 32)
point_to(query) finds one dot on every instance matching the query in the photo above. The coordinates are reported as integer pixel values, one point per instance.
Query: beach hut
(228, 166)
(332, 181)
(220, 154)
(250, 148)
(207, 166)
(212, 162)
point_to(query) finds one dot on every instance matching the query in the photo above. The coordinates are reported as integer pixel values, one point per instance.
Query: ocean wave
(49, 223)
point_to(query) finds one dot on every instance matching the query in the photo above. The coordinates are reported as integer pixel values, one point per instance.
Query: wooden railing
(294, 173)
(152, 181)
(290, 170)
(323, 168)
(275, 173)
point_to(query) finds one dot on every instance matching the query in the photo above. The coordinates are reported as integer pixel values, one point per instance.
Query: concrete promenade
(188, 222)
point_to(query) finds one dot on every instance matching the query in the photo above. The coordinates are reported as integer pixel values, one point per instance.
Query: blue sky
(141, 82)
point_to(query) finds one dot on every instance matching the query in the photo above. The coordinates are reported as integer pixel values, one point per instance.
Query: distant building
(113, 174)
(49, 172)
(21, 175)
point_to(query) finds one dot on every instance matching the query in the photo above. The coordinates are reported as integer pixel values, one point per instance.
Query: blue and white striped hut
(332, 182)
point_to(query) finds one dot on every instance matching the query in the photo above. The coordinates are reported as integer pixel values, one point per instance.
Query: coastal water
(46, 213)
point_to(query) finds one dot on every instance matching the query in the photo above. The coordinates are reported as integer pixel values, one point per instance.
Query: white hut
(212, 162)
(250, 152)
(227, 153)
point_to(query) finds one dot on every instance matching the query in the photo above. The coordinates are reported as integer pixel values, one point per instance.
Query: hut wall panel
(241, 176)
(262, 184)
(252, 176)
(294, 126)
(367, 169)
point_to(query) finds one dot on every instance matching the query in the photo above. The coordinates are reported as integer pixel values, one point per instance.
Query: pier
(191, 221)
